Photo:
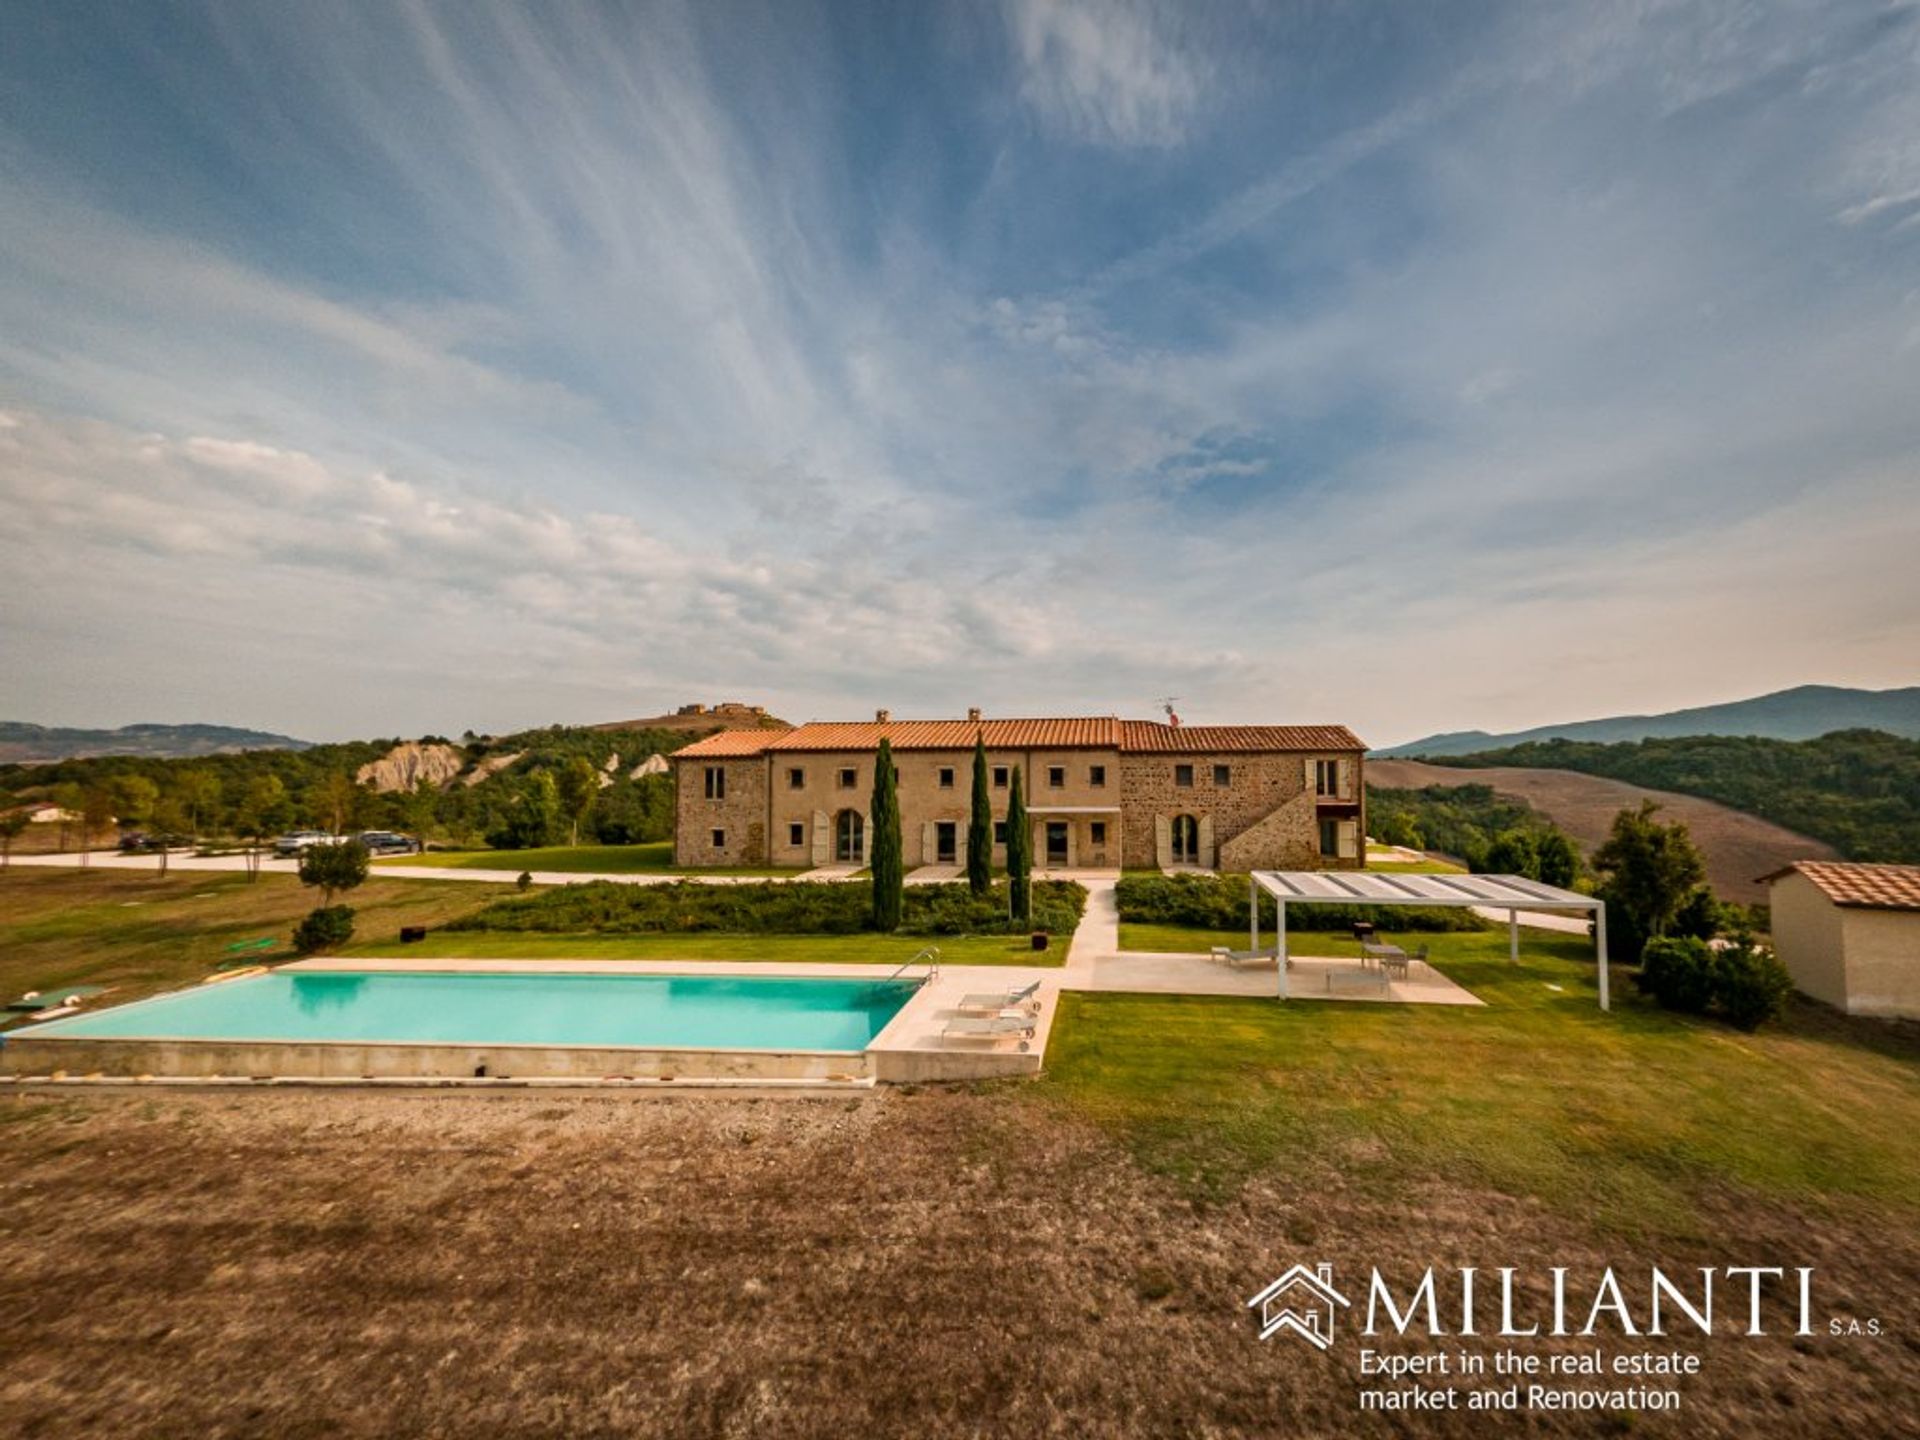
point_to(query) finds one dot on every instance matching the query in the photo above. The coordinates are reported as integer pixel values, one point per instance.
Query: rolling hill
(1802, 713)
(23, 744)
(1738, 847)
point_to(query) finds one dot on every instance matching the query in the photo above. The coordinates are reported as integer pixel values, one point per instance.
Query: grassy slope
(133, 929)
(1632, 1116)
(652, 858)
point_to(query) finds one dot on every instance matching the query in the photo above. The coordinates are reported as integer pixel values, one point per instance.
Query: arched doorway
(1186, 840)
(850, 838)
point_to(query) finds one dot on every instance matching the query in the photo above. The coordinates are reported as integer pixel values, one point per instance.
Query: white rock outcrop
(406, 765)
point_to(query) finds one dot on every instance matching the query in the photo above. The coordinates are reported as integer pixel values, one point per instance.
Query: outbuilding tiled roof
(1095, 732)
(1870, 887)
(1152, 737)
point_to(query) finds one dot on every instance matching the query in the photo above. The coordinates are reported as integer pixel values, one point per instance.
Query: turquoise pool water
(704, 1012)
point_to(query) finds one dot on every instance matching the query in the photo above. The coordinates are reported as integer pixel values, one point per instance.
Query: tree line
(551, 793)
(1858, 790)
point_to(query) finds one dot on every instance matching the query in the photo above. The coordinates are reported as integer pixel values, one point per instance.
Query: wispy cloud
(484, 365)
(1111, 72)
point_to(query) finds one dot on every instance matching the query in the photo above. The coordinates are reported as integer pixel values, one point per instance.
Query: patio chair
(992, 1002)
(992, 1029)
(1394, 967)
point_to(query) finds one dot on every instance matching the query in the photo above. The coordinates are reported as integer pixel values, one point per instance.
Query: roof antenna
(1166, 703)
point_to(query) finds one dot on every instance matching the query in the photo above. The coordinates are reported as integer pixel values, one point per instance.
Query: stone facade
(739, 814)
(809, 800)
(1265, 816)
(1092, 806)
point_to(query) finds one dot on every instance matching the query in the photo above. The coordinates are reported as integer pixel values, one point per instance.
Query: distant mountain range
(1802, 713)
(22, 744)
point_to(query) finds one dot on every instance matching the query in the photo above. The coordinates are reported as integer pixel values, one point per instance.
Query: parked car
(140, 843)
(298, 840)
(388, 842)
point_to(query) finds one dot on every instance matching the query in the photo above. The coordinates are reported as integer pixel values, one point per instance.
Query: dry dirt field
(941, 1263)
(1739, 847)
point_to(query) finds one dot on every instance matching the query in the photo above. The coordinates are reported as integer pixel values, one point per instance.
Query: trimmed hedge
(1219, 902)
(802, 907)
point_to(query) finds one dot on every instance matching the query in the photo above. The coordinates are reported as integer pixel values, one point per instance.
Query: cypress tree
(885, 858)
(1019, 854)
(980, 826)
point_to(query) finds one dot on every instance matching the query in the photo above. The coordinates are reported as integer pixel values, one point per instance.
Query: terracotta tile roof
(729, 744)
(1095, 732)
(1154, 738)
(1100, 732)
(1871, 887)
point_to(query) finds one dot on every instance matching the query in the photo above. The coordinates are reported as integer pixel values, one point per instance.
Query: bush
(1740, 981)
(1219, 902)
(1678, 971)
(799, 907)
(1751, 984)
(327, 928)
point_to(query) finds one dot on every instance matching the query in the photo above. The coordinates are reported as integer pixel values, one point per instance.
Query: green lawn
(139, 932)
(652, 858)
(1414, 867)
(798, 949)
(1634, 1117)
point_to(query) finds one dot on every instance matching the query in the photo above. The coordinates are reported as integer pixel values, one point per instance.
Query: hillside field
(1739, 848)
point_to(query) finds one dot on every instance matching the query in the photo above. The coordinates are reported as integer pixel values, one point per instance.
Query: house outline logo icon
(1302, 1301)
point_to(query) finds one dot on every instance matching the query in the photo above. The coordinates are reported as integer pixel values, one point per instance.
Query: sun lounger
(1242, 957)
(992, 1029)
(992, 1002)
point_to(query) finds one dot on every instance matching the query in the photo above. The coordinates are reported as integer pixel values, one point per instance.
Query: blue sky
(406, 368)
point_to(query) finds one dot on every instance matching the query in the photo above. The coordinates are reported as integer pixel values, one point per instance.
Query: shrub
(1743, 982)
(1750, 983)
(1678, 971)
(1219, 902)
(327, 928)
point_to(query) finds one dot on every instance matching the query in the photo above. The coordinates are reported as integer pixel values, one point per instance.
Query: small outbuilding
(1849, 934)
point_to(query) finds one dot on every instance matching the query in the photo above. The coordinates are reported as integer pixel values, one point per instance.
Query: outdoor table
(1370, 951)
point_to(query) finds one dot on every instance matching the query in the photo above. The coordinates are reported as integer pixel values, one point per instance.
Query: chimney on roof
(881, 717)
(973, 713)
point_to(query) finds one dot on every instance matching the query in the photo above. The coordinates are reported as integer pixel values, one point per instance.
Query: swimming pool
(549, 1009)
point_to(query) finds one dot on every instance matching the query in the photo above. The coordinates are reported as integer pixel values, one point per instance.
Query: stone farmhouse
(1101, 793)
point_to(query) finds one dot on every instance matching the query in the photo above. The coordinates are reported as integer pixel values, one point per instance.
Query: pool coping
(186, 1058)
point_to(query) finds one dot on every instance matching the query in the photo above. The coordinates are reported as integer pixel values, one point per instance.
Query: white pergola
(1511, 893)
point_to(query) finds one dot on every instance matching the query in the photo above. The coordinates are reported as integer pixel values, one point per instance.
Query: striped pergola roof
(1368, 887)
(1511, 893)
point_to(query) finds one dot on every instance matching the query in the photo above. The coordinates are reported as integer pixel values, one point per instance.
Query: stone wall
(1287, 838)
(1258, 785)
(742, 814)
(818, 798)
